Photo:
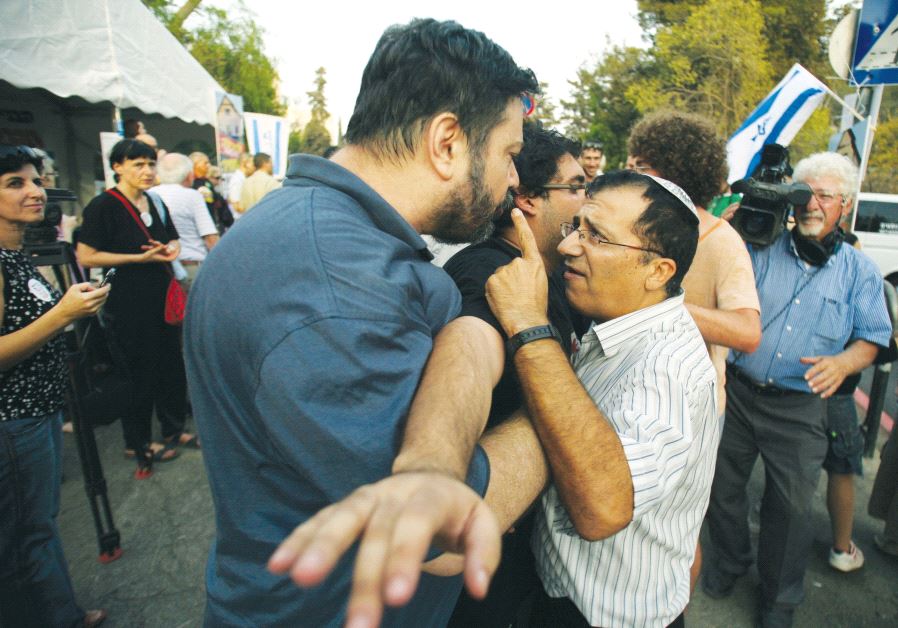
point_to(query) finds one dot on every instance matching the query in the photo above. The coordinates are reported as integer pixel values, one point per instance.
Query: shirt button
(779, 355)
(788, 327)
(769, 380)
(797, 301)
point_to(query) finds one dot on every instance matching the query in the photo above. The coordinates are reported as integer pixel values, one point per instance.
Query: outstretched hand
(518, 292)
(397, 519)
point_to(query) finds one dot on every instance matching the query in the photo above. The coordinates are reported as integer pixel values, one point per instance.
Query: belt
(190, 262)
(767, 390)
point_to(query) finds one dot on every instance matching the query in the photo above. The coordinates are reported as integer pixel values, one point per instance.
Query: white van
(876, 226)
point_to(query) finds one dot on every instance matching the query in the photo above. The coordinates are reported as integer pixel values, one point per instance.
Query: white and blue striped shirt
(809, 310)
(650, 375)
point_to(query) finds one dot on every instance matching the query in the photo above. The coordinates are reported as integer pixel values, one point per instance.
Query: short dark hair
(666, 225)
(426, 67)
(537, 163)
(683, 148)
(260, 159)
(130, 149)
(131, 127)
(14, 158)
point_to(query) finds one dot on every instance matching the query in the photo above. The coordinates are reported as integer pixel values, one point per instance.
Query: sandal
(145, 457)
(160, 452)
(184, 439)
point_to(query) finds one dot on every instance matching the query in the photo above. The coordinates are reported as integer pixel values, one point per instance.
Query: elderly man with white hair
(822, 316)
(187, 210)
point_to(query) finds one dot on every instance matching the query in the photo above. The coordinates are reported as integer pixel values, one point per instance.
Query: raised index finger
(529, 250)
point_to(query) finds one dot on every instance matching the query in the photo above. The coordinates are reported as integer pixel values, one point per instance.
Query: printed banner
(229, 134)
(268, 134)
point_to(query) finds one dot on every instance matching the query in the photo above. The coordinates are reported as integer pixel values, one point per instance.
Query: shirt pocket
(831, 327)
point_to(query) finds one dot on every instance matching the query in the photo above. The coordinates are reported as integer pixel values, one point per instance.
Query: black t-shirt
(108, 226)
(470, 268)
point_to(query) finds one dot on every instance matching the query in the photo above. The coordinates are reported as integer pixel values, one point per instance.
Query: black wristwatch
(529, 335)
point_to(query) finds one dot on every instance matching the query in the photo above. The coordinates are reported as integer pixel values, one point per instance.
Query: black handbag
(109, 390)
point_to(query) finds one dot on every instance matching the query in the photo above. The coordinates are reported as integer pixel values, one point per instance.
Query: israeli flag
(775, 121)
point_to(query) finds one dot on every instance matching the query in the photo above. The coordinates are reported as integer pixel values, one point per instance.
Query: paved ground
(166, 525)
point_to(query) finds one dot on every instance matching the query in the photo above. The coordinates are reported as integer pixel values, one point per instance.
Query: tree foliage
(546, 113)
(230, 47)
(599, 108)
(313, 138)
(717, 58)
(701, 67)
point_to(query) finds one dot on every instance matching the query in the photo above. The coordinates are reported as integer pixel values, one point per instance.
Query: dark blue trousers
(35, 588)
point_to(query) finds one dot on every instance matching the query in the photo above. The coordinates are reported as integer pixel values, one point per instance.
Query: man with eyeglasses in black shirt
(551, 191)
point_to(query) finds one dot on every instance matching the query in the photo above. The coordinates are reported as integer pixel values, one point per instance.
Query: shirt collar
(612, 334)
(312, 171)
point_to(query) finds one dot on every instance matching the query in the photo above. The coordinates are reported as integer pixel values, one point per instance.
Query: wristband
(529, 335)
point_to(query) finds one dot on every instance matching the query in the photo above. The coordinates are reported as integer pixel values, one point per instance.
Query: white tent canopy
(103, 50)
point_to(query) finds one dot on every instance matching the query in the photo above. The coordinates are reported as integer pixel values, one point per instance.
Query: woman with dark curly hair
(35, 588)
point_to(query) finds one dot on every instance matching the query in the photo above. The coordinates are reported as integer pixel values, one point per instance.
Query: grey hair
(174, 168)
(829, 165)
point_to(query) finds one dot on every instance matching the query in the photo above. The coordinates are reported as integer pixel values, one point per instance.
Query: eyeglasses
(567, 228)
(825, 197)
(640, 168)
(8, 151)
(573, 187)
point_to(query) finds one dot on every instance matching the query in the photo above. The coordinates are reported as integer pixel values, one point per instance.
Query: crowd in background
(609, 354)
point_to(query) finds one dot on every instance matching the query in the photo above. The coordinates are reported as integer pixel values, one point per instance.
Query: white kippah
(677, 191)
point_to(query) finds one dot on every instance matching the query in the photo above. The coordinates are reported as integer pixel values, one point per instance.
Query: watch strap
(531, 334)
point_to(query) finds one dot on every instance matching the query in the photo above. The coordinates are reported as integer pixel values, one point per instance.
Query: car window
(877, 217)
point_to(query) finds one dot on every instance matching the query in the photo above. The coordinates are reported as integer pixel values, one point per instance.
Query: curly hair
(683, 148)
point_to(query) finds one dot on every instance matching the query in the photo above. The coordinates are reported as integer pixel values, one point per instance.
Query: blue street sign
(875, 59)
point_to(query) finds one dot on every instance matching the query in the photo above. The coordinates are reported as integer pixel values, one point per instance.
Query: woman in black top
(35, 588)
(111, 236)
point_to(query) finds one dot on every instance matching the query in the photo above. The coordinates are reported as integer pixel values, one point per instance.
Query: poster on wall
(229, 133)
(268, 134)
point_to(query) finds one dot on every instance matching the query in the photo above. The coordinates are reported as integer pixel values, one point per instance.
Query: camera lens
(757, 224)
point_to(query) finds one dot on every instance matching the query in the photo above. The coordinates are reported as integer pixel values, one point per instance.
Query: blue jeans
(35, 588)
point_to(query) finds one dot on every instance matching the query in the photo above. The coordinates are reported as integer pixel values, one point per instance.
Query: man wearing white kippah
(627, 428)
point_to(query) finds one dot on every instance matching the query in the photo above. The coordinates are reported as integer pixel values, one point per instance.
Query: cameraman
(817, 295)
(35, 589)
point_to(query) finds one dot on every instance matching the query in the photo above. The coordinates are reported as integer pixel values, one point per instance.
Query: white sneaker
(851, 560)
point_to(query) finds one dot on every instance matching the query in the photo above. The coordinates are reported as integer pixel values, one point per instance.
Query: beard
(461, 219)
(813, 229)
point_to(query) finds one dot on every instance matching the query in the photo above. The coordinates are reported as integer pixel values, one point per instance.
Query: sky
(552, 40)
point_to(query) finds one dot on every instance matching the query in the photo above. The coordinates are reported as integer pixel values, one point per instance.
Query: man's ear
(445, 145)
(662, 269)
(527, 204)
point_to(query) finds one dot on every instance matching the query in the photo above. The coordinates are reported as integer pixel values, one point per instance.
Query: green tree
(546, 112)
(313, 138)
(230, 49)
(599, 108)
(882, 170)
(701, 68)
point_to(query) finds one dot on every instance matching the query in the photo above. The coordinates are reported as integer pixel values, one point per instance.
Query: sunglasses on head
(9, 151)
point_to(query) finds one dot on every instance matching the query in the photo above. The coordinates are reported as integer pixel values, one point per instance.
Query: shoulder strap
(139, 222)
(131, 211)
(160, 205)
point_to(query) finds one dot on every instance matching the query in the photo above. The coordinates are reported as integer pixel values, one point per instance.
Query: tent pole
(117, 125)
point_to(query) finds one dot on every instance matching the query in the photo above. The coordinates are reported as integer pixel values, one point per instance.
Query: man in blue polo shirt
(310, 326)
(817, 295)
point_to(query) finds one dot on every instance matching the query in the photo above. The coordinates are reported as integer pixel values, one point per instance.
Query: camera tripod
(59, 257)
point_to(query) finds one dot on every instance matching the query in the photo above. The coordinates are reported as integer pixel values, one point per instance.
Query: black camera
(767, 200)
(44, 232)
